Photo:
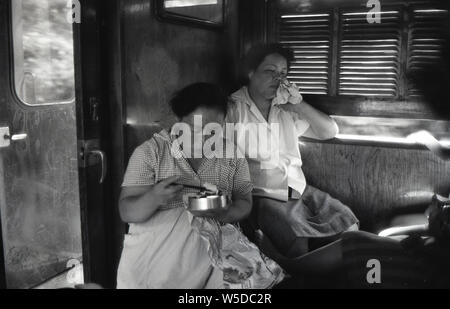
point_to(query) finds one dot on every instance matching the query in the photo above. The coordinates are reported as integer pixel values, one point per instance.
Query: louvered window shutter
(369, 54)
(425, 42)
(309, 36)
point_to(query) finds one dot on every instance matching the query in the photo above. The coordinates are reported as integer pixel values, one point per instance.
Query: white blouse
(277, 164)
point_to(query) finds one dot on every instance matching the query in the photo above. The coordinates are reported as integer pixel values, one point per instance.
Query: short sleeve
(232, 112)
(141, 168)
(242, 184)
(301, 126)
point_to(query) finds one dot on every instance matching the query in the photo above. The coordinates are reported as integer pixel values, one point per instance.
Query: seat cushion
(409, 220)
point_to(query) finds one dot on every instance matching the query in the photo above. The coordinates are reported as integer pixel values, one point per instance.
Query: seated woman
(288, 211)
(167, 247)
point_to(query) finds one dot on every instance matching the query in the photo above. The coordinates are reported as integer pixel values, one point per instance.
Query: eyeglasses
(276, 75)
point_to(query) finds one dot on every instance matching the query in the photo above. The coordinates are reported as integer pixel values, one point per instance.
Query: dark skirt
(315, 215)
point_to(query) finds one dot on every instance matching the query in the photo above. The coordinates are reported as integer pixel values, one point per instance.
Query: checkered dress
(153, 162)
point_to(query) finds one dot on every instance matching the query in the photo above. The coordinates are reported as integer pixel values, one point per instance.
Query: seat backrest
(136, 135)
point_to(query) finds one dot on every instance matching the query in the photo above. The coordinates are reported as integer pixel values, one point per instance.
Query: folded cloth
(242, 264)
(287, 93)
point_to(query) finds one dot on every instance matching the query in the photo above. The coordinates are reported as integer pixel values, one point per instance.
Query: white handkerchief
(282, 96)
(287, 93)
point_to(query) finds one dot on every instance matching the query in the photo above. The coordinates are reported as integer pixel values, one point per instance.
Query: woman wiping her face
(288, 211)
(169, 247)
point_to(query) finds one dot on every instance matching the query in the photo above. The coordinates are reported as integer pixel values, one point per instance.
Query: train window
(361, 69)
(340, 53)
(43, 52)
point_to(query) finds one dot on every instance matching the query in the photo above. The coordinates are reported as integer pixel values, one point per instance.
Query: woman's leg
(319, 262)
(281, 225)
(299, 247)
(317, 243)
(297, 226)
(300, 226)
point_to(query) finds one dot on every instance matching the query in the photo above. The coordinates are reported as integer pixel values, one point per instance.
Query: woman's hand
(289, 107)
(238, 210)
(138, 204)
(287, 93)
(166, 191)
(295, 96)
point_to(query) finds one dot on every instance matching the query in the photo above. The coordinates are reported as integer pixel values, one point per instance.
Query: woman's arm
(239, 210)
(323, 127)
(138, 204)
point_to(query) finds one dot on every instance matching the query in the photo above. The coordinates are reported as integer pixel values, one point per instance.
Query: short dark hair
(187, 100)
(259, 52)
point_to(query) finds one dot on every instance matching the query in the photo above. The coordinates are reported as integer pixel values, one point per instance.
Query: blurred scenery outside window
(43, 52)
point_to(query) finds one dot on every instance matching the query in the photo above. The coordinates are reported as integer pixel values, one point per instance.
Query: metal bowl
(207, 204)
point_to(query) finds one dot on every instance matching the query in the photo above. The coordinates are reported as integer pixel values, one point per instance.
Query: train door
(52, 168)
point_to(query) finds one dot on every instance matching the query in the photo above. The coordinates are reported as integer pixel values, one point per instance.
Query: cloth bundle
(287, 93)
(242, 264)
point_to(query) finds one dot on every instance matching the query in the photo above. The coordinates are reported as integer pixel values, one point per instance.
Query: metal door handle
(6, 139)
(103, 160)
(16, 137)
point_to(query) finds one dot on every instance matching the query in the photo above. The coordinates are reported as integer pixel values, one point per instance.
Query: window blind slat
(309, 36)
(369, 61)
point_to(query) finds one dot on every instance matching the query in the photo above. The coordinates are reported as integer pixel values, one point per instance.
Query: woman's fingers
(293, 90)
(174, 189)
(295, 95)
(285, 83)
(169, 181)
(167, 189)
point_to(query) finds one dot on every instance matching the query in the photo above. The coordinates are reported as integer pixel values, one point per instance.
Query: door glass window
(43, 51)
(40, 214)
